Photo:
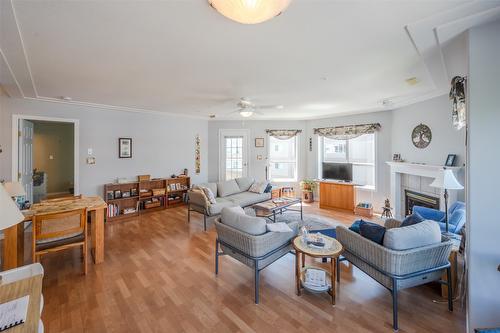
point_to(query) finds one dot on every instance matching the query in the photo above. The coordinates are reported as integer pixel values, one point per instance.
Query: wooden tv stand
(337, 195)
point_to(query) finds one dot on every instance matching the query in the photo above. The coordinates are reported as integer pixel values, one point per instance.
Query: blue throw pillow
(412, 219)
(268, 188)
(372, 231)
(355, 226)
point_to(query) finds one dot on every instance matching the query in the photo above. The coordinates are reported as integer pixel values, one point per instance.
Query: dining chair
(60, 231)
(73, 197)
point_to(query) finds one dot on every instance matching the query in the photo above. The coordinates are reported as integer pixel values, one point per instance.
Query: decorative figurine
(386, 210)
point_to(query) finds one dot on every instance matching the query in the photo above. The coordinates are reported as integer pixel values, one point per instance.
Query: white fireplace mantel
(415, 169)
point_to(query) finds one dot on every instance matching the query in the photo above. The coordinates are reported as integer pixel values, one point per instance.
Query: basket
(143, 178)
(158, 191)
(152, 204)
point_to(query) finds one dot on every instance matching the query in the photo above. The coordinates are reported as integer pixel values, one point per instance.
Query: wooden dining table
(13, 252)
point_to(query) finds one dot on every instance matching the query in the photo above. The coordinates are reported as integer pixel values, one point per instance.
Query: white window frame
(297, 159)
(375, 162)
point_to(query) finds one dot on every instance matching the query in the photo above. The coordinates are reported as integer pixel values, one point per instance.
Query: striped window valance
(283, 134)
(347, 132)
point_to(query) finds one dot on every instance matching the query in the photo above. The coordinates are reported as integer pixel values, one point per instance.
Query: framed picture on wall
(450, 160)
(125, 147)
(259, 142)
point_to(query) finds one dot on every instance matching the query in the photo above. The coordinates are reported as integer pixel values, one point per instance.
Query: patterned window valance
(346, 132)
(283, 134)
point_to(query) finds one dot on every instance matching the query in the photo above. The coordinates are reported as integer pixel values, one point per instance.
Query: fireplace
(413, 198)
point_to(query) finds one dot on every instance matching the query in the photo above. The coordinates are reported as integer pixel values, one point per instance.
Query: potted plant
(308, 186)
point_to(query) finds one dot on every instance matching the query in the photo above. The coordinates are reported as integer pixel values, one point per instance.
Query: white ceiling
(319, 58)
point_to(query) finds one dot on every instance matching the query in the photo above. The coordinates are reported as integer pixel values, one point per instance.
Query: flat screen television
(337, 171)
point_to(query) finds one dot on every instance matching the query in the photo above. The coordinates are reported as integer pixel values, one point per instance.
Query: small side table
(454, 268)
(301, 250)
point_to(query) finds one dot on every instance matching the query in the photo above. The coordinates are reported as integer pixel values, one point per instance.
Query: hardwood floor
(158, 276)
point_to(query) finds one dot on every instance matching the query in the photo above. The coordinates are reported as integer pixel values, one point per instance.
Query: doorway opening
(45, 156)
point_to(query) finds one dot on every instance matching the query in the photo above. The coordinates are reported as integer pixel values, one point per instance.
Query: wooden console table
(337, 195)
(13, 255)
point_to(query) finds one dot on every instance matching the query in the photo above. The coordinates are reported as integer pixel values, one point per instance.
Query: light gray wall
(484, 159)
(162, 144)
(257, 130)
(435, 113)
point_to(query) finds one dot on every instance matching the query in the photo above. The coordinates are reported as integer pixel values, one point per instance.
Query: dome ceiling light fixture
(246, 113)
(250, 11)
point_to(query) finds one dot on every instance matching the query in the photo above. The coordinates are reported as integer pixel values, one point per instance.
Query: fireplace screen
(419, 199)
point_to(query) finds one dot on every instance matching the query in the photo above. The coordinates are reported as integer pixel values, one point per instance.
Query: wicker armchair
(397, 270)
(256, 252)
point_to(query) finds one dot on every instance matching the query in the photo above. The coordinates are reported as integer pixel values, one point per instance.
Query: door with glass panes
(233, 154)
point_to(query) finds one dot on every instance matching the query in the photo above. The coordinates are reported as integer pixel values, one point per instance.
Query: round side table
(302, 250)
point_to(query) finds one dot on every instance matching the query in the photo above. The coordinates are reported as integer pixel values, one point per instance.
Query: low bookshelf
(131, 199)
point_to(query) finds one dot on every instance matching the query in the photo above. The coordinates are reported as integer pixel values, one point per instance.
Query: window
(359, 151)
(234, 157)
(283, 159)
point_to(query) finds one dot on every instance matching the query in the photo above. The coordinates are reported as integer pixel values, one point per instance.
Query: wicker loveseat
(397, 270)
(255, 251)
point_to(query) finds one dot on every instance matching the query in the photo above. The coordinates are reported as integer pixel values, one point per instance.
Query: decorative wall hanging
(259, 142)
(310, 144)
(283, 134)
(347, 132)
(125, 148)
(421, 136)
(197, 153)
(458, 101)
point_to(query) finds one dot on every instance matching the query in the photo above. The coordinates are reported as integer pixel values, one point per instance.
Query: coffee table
(301, 250)
(272, 207)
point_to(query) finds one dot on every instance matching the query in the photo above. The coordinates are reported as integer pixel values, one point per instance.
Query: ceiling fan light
(246, 113)
(249, 11)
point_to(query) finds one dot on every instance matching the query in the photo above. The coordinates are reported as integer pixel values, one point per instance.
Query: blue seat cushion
(372, 231)
(412, 219)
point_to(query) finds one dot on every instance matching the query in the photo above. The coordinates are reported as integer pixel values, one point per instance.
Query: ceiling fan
(247, 108)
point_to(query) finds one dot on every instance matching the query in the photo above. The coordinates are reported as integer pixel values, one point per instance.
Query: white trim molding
(420, 170)
(15, 144)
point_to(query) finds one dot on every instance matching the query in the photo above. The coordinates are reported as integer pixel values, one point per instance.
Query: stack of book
(113, 210)
(315, 279)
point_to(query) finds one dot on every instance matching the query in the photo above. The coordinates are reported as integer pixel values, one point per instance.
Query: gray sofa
(397, 269)
(229, 193)
(246, 239)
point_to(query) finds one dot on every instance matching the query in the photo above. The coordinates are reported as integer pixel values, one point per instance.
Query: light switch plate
(51, 157)
(89, 151)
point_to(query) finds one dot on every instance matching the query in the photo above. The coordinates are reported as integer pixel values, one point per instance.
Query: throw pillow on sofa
(355, 226)
(209, 194)
(258, 187)
(412, 219)
(278, 227)
(417, 235)
(227, 188)
(244, 183)
(372, 231)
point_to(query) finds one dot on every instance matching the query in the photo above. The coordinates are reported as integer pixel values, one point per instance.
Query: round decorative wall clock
(421, 136)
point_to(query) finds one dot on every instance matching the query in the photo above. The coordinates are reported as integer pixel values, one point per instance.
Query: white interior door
(233, 150)
(25, 158)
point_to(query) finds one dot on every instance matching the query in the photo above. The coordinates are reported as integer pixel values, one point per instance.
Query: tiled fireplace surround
(415, 177)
